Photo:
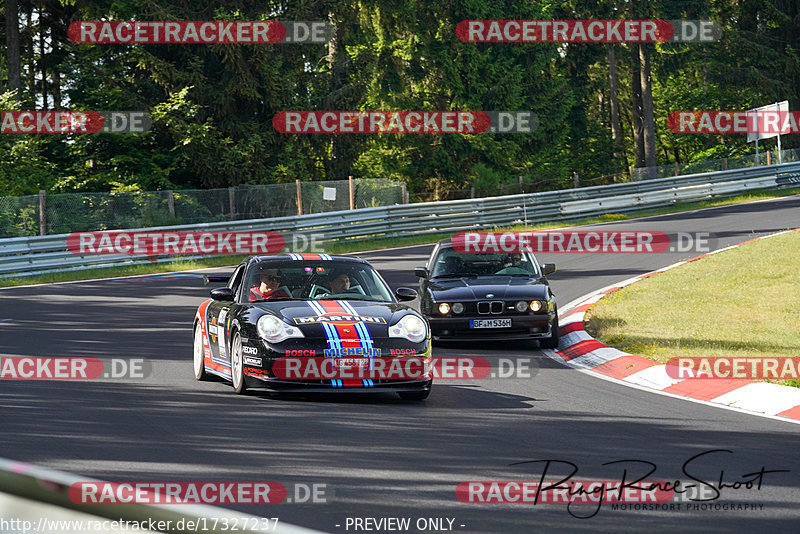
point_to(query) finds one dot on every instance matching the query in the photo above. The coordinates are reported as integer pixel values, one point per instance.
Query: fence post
(472, 192)
(677, 172)
(232, 202)
(42, 212)
(352, 193)
(171, 202)
(403, 193)
(576, 179)
(769, 162)
(520, 185)
(299, 198)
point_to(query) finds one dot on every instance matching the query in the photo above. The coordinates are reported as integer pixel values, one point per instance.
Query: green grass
(742, 302)
(350, 247)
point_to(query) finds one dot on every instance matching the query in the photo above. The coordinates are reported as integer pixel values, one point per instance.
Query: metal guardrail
(48, 486)
(24, 256)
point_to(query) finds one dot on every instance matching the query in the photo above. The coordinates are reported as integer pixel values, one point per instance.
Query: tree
(12, 47)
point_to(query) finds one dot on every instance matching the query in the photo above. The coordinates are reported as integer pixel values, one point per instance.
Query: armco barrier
(52, 487)
(23, 256)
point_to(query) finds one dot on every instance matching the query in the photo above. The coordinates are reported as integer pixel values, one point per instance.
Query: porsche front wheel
(237, 365)
(199, 355)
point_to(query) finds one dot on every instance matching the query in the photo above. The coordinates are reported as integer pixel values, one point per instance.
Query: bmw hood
(499, 287)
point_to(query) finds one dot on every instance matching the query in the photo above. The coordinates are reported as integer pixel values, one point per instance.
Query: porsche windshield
(451, 263)
(315, 280)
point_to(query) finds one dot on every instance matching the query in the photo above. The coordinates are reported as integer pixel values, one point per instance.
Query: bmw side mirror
(421, 272)
(222, 293)
(405, 293)
(548, 268)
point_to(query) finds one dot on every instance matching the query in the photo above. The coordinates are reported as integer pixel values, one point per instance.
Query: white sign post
(777, 107)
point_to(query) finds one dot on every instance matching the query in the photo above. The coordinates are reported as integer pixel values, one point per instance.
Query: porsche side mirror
(208, 278)
(421, 272)
(405, 293)
(222, 293)
(548, 268)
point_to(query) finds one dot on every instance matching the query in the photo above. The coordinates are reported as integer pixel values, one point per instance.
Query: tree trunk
(340, 96)
(636, 109)
(616, 131)
(43, 57)
(12, 47)
(648, 121)
(29, 52)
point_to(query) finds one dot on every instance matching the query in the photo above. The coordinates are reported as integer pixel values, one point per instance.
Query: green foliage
(212, 105)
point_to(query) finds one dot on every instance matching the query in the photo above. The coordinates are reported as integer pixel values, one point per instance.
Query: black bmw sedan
(487, 296)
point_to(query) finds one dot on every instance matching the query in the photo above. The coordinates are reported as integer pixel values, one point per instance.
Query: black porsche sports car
(312, 323)
(488, 296)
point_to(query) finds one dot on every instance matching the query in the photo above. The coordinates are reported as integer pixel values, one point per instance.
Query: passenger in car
(270, 281)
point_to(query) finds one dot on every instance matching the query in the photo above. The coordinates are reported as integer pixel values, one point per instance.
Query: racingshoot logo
(587, 31)
(581, 241)
(199, 32)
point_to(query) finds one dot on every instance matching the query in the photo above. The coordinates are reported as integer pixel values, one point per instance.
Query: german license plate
(349, 363)
(490, 323)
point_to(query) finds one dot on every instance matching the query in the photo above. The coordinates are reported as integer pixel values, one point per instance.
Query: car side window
(236, 279)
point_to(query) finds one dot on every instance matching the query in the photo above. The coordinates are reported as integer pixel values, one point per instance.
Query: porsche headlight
(410, 327)
(274, 330)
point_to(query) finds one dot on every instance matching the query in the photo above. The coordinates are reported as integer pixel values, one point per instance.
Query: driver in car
(340, 283)
(513, 265)
(269, 287)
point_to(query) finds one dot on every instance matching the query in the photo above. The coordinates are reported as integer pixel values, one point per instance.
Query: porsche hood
(339, 319)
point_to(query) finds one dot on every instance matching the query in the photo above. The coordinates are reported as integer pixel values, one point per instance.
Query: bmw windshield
(451, 263)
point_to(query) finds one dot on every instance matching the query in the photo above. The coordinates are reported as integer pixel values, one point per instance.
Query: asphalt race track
(381, 457)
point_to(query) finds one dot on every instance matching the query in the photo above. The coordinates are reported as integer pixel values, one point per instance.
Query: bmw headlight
(274, 330)
(444, 308)
(537, 305)
(411, 327)
(521, 306)
(458, 308)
